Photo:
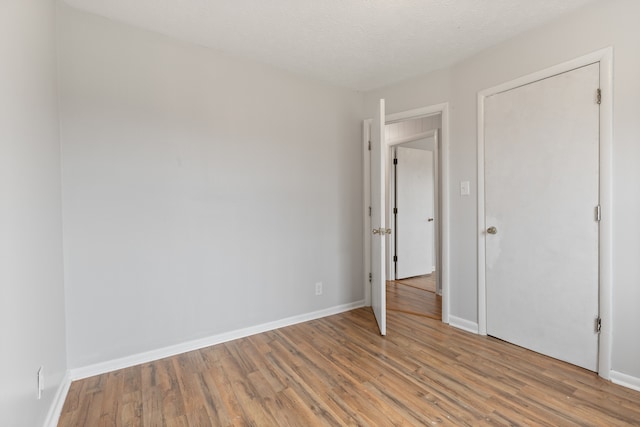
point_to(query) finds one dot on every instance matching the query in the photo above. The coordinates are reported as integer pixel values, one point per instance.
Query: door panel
(414, 231)
(541, 190)
(378, 198)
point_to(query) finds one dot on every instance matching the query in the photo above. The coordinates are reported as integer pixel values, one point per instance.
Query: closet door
(541, 193)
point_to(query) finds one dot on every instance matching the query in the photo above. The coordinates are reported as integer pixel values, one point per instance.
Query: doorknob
(492, 230)
(381, 231)
(430, 219)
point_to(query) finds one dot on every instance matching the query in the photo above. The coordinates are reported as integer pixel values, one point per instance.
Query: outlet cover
(319, 288)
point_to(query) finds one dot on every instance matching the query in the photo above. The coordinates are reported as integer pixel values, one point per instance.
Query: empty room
(364, 212)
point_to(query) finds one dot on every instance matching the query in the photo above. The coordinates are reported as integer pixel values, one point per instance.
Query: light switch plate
(465, 189)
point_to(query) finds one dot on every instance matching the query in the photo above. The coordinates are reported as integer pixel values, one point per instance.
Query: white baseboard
(464, 324)
(137, 359)
(625, 380)
(58, 402)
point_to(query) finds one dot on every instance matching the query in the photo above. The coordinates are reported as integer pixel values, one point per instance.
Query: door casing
(605, 58)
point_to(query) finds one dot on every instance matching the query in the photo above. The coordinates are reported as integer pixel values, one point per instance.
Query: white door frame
(605, 58)
(442, 109)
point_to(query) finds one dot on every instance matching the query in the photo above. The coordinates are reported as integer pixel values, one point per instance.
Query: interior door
(378, 221)
(541, 194)
(414, 231)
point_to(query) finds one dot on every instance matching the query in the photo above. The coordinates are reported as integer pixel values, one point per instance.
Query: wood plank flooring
(338, 371)
(425, 282)
(413, 300)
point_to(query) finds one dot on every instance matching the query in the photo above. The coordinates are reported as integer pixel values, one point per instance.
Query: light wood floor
(425, 282)
(412, 300)
(415, 295)
(338, 371)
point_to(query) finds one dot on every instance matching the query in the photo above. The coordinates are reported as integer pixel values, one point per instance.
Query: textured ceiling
(360, 44)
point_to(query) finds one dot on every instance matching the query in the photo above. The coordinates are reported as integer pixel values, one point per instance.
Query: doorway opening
(413, 280)
(399, 131)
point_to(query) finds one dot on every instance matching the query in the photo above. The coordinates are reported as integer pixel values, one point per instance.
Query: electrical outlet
(40, 382)
(319, 288)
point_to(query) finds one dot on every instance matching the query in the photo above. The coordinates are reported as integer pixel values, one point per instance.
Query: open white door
(415, 204)
(378, 189)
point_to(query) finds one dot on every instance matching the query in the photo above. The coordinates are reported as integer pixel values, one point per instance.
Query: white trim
(366, 168)
(482, 287)
(149, 356)
(446, 215)
(606, 203)
(464, 324)
(625, 380)
(53, 416)
(605, 58)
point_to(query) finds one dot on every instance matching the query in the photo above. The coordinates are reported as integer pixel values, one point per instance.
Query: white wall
(421, 144)
(601, 24)
(202, 194)
(408, 128)
(32, 328)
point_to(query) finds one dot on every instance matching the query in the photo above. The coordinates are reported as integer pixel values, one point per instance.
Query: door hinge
(598, 324)
(395, 211)
(369, 210)
(598, 96)
(598, 213)
(395, 161)
(395, 258)
(370, 277)
(369, 145)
